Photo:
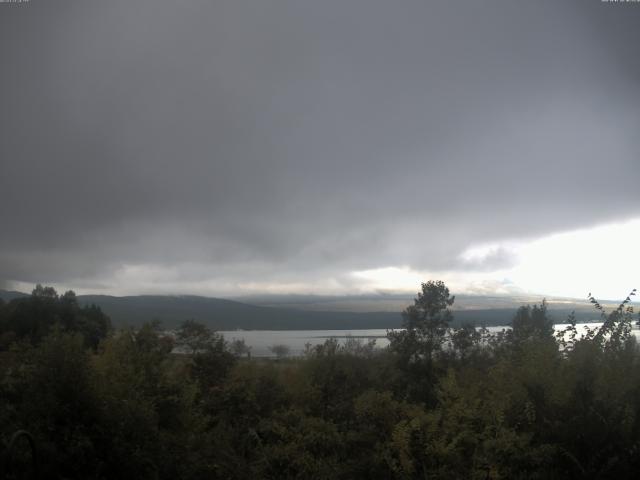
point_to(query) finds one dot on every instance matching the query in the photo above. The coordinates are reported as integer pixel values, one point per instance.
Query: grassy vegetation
(437, 403)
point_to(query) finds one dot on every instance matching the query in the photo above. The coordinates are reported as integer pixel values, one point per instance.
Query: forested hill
(7, 295)
(222, 314)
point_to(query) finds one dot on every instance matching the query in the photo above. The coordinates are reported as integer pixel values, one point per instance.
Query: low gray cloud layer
(288, 142)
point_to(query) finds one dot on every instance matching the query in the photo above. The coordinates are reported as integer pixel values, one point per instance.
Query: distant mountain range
(309, 312)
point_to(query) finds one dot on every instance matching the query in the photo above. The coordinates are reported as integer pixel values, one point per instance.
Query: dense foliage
(437, 403)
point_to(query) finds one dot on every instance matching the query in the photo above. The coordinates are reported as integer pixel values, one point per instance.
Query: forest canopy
(439, 402)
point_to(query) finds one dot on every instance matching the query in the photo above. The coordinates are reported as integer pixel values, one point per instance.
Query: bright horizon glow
(602, 260)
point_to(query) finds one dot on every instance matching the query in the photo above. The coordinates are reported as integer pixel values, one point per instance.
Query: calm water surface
(261, 340)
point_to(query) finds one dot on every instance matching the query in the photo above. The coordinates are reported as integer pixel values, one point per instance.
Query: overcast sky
(334, 146)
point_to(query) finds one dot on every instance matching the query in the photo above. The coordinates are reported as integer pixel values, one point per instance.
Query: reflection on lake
(261, 340)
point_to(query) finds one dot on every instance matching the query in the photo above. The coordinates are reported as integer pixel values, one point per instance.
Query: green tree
(240, 348)
(280, 350)
(194, 336)
(33, 317)
(425, 323)
(211, 364)
(416, 347)
(149, 420)
(532, 323)
(59, 406)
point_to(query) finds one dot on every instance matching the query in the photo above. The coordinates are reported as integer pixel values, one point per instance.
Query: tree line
(438, 402)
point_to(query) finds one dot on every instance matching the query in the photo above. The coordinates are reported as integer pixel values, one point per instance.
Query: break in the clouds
(288, 146)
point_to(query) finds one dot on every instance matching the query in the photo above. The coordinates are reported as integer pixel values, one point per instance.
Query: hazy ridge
(309, 312)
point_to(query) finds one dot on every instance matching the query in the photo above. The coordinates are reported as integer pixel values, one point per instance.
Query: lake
(261, 340)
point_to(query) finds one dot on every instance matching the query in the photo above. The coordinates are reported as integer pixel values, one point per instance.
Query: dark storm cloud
(499, 258)
(289, 141)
